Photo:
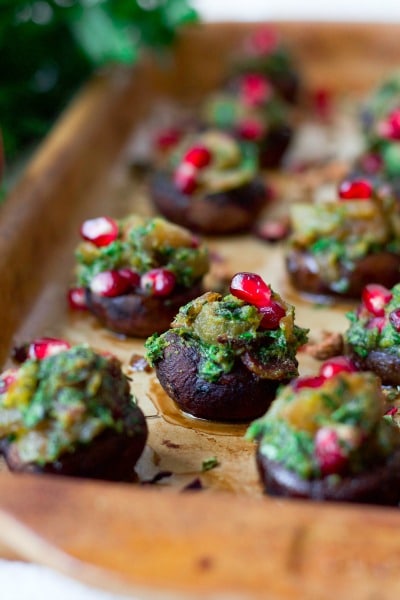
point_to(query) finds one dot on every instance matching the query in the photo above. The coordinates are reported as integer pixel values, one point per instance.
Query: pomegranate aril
(131, 276)
(371, 163)
(335, 365)
(6, 379)
(109, 284)
(195, 241)
(375, 297)
(251, 288)
(272, 314)
(390, 127)
(77, 298)
(46, 346)
(322, 100)
(394, 119)
(101, 231)
(198, 156)
(308, 382)
(273, 231)
(263, 41)
(254, 89)
(250, 129)
(394, 318)
(392, 411)
(328, 452)
(359, 189)
(185, 178)
(158, 282)
(168, 138)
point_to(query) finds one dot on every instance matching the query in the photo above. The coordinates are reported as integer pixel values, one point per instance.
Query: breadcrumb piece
(330, 344)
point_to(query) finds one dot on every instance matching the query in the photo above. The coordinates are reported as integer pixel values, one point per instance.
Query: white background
(294, 10)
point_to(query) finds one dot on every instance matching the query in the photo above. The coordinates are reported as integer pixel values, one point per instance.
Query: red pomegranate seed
(46, 346)
(131, 276)
(308, 382)
(263, 41)
(250, 129)
(110, 284)
(101, 231)
(273, 231)
(185, 178)
(254, 89)
(375, 297)
(335, 365)
(390, 127)
(6, 379)
(158, 282)
(329, 454)
(251, 288)
(77, 298)
(371, 163)
(168, 138)
(322, 100)
(392, 411)
(377, 323)
(195, 241)
(394, 318)
(394, 120)
(359, 189)
(272, 314)
(198, 156)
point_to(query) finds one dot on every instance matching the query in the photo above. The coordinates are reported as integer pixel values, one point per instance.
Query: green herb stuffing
(92, 260)
(144, 245)
(216, 359)
(362, 336)
(155, 346)
(227, 111)
(273, 64)
(209, 463)
(225, 329)
(340, 233)
(278, 347)
(63, 400)
(283, 444)
(376, 110)
(349, 404)
(233, 163)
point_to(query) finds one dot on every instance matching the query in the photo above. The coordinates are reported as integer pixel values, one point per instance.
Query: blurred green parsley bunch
(49, 47)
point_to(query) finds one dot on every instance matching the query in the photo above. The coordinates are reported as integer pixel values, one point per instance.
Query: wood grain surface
(202, 546)
(227, 541)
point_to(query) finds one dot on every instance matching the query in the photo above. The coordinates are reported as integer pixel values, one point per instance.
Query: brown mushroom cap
(111, 455)
(218, 213)
(304, 273)
(379, 485)
(385, 364)
(237, 396)
(274, 145)
(138, 315)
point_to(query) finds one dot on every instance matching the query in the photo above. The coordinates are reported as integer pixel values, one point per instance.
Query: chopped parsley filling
(224, 330)
(350, 405)
(363, 336)
(64, 400)
(142, 245)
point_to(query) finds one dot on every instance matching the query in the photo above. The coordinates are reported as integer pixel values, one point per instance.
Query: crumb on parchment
(330, 344)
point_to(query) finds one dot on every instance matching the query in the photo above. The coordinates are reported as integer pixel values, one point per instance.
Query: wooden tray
(226, 541)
